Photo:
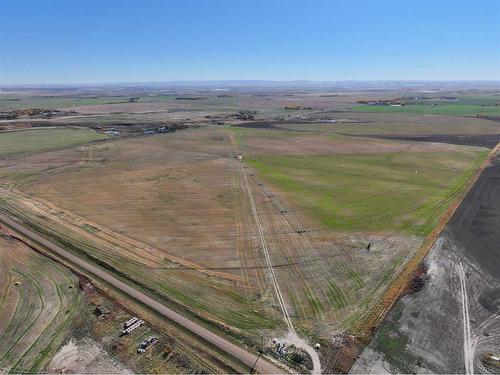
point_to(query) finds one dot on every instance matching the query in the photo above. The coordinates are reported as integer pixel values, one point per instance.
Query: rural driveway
(235, 351)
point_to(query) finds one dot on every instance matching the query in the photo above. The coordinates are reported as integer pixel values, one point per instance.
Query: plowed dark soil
(476, 223)
(481, 140)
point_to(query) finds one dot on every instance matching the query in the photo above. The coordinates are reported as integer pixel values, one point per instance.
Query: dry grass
(176, 195)
(171, 214)
(294, 142)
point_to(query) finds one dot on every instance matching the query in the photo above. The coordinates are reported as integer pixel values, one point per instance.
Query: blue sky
(87, 41)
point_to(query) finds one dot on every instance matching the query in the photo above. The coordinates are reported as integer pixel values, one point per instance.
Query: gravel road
(230, 348)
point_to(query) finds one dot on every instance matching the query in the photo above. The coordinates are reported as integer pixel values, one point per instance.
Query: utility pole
(253, 367)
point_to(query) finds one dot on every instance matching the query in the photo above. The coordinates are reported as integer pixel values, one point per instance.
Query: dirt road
(235, 351)
(266, 254)
(468, 344)
(292, 337)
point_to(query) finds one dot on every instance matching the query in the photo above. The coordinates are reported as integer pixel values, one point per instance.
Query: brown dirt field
(24, 169)
(176, 194)
(171, 213)
(126, 107)
(176, 202)
(171, 202)
(171, 111)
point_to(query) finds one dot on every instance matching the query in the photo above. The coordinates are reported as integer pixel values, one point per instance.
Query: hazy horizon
(254, 83)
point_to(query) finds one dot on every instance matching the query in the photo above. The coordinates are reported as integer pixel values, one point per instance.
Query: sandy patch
(85, 356)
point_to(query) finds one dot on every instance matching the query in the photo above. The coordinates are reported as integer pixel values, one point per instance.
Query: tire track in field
(251, 264)
(263, 243)
(326, 262)
(7, 283)
(35, 367)
(300, 244)
(468, 341)
(323, 290)
(240, 242)
(289, 276)
(13, 313)
(12, 335)
(35, 319)
(291, 249)
(52, 322)
(292, 336)
(436, 205)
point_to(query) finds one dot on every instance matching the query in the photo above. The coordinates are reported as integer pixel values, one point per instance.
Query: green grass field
(448, 109)
(371, 192)
(37, 140)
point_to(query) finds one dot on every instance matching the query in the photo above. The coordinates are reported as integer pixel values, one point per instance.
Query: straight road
(246, 357)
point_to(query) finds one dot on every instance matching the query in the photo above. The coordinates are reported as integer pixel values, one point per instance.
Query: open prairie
(250, 218)
(171, 212)
(249, 187)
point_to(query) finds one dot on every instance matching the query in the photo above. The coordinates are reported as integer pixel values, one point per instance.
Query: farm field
(360, 192)
(143, 198)
(385, 124)
(38, 140)
(143, 100)
(19, 101)
(433, 109)
(250, 187)
(38, 300)
(371, 192)
(291, 221)
(190, 212)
